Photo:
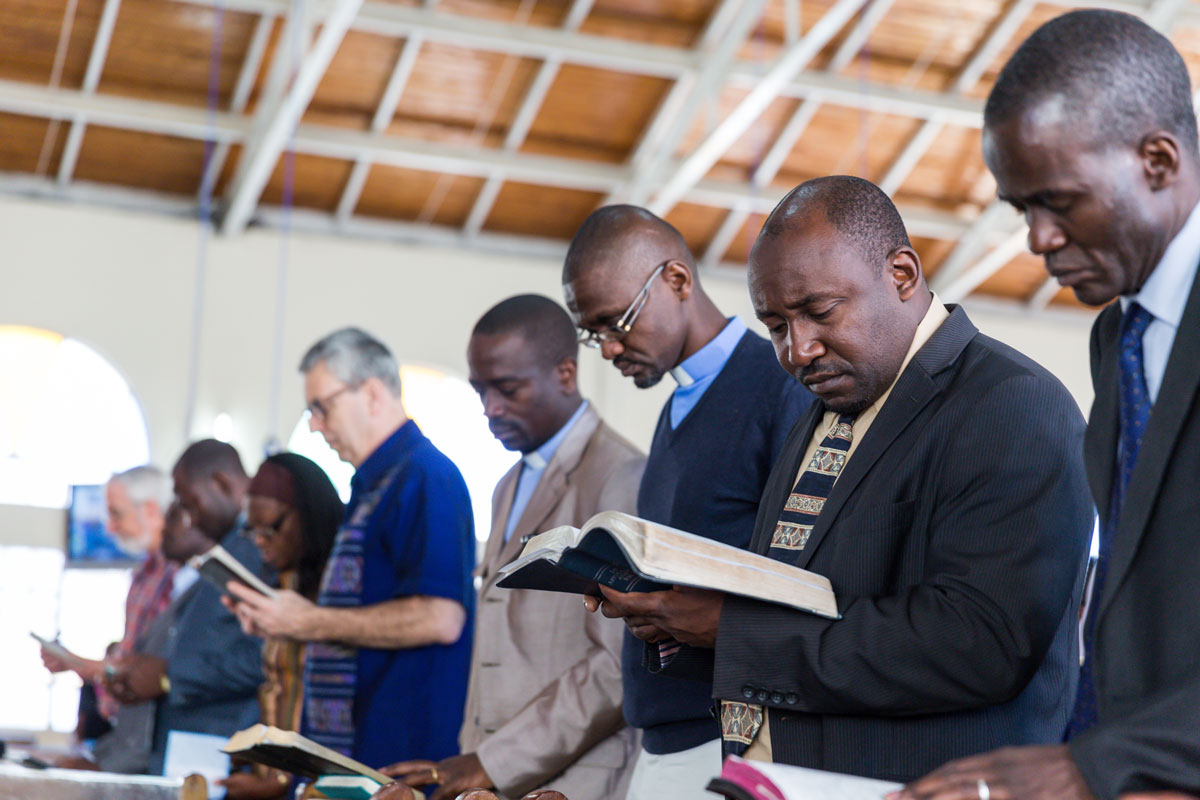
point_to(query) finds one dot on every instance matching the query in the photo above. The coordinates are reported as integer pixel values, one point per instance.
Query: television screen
(88, 538)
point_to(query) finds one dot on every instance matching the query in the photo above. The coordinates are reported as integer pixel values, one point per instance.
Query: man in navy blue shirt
(631, 283)
(390, 636)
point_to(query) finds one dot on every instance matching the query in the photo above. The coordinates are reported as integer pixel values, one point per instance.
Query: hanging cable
(204, 217)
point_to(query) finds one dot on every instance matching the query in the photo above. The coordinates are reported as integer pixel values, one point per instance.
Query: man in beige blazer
(544, 698)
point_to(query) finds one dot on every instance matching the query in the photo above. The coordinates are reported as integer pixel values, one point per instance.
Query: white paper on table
(197, 754)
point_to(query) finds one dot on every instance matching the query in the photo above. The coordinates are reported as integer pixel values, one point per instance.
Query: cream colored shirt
(760, 748)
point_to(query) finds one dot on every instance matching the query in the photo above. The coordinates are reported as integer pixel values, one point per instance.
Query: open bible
(630, 554)
(336, 775)
(220, 567)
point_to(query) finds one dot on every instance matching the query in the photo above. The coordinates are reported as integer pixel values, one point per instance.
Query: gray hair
(146, 483)
(352, 355)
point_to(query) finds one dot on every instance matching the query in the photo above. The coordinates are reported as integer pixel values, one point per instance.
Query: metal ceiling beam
(794, 128)
(967, 281)
(195, 123)
(264, 148)
(717, 50)
(523, 121)
(792, 61)
(984, 54)
(91, 79)
(251, 65)
(384, 113)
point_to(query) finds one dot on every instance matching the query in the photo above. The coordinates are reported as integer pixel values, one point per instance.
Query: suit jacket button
(792, 698)
(748, 691)
(762, 695)
(776, 697)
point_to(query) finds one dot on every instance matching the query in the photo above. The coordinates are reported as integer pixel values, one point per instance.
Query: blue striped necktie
(1134, 409)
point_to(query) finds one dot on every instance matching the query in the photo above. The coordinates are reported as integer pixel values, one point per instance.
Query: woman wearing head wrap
(292, 515)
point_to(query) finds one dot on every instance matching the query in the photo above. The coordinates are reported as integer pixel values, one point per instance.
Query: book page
(673, 556)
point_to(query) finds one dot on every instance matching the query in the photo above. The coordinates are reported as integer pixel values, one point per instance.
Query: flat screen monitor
(88, 538)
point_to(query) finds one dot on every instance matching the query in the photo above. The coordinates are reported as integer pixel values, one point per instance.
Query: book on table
(630, 554)
(219, 567)
(335, 775)
(757, 780)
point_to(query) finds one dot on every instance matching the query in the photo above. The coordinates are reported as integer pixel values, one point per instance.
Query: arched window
(66, 417)
(447, 410)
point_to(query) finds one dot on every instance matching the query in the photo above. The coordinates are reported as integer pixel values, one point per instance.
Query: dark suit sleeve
(213, 660)
(1006, 539)
(1155, 748)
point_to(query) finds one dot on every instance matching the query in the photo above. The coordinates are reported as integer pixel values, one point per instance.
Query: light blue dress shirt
(701, 368)
(533, 465)
(1164, 295)
(185, 577)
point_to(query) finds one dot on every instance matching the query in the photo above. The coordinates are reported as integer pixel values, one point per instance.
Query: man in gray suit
(544, 697)
(195, 663)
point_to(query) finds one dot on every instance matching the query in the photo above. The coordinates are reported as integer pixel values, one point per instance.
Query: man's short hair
(146, 483)
(610, 222)
(352, 356)
(860, 211)
(1119, 78)
(206, 457)
(543, 323)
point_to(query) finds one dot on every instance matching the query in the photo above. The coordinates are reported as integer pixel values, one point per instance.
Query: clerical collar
(708, 360)
(538, 459)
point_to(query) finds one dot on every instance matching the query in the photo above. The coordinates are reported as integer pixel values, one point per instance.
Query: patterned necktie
(1134, 405)
(740, 722)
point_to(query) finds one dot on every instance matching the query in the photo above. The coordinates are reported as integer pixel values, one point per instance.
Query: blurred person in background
(292, 516)
(137, 501)
(195, 663)
(385, 672)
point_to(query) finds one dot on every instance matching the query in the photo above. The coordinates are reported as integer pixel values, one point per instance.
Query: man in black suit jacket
(1090, 131)
(955, 535)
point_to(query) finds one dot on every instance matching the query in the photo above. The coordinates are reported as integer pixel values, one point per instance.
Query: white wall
(122, 283)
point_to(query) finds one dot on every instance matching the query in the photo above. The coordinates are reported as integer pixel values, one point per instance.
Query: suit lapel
(1176, 397)
(550, 489)
(502, 502)
(909, 396)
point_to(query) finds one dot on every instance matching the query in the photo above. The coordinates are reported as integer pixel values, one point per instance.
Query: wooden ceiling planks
(29, 39)
(162, 50)
(531, 210)
(139, 160)
(22, 142)
(411, 195)
(600, 114)
(698, 224)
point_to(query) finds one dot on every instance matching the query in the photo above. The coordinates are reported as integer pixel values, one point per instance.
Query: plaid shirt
(149, 596)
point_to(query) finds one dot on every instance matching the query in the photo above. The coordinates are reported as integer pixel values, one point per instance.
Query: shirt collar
(708, 360)
(539, 458)
(1166, 291)
(385, 456)
(935, 315)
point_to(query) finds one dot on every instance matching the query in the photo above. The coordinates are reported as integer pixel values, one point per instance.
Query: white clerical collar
(534, 460)
(681, 376)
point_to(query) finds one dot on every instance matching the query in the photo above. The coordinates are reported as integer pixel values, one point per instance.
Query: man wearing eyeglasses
(390, 634)
(631, 283)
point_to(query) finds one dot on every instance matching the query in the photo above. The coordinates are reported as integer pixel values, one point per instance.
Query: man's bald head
(621, 237)
(1116, 78)
(540, 321)
(836, 283)
(865, 217)
(210, 483)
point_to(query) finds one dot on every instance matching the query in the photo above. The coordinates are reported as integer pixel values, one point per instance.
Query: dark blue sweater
(706, 477)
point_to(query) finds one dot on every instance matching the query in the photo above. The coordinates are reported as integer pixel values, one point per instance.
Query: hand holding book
(684, 614)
